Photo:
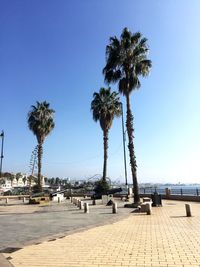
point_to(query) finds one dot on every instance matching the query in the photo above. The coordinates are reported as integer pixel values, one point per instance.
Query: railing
(173, 191)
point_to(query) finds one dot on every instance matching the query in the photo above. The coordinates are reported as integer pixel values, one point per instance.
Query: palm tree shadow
(178, 216)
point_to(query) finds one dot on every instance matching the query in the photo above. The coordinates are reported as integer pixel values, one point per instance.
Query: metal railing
(173, 191)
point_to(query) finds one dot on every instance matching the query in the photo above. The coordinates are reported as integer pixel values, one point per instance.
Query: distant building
(10, 181)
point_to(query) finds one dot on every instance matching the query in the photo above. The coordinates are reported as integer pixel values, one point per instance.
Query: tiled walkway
(165, 238)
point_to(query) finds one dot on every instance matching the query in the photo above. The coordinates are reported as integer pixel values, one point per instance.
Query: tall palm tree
(126, 61)
(41, 123)
(105, 106)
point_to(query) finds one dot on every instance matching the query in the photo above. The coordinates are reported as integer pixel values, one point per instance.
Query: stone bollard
(148, 208)
(114, 207)
(167, 192)
(81, 205)
(188, 210)
(130, 191)
(24, 199)
(86, 207)
(94, 202)
(7, 200)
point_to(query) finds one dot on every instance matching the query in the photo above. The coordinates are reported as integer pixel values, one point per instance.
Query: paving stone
(165, 239)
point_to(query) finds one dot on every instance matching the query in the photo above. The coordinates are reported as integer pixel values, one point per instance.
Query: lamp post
(123, 134)
(1, 157)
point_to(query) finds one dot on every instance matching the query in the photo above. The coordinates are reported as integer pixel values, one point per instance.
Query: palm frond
(40, 120)
(105, 106)
(126, 60)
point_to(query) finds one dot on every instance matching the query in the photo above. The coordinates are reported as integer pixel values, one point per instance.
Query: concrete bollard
(76, 201)
(86, 207)
(24, 199)
(7, 200)
(71, 199)
(148, 208)
(114, 207)
(130, 191)
(188, 210)
(167, 192)
(81, 205)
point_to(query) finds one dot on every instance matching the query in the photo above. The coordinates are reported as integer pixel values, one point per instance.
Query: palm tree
(40, 122)
(18, 176)
(126, 61)
(31, 178)
(9, 176)
(24, 179)
(105, 106)
(12, 178)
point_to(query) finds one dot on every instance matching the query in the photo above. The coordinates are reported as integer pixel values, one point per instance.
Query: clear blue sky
(55, 51)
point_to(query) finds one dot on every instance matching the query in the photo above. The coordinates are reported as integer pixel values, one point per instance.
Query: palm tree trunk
(105, 145)
(40, 152)
(129, 126)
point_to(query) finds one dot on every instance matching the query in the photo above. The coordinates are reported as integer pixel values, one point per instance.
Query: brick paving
(164, 239)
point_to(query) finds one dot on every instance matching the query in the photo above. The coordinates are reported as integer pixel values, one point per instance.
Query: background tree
(126, 61)
(18, 176)
(40, 122)
(58, 181)
(105, 106)
(12, 177)
(24, 179)
(31, 178)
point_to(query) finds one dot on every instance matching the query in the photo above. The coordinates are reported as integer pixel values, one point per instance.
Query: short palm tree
(41, 123)
(105, 106)
(18, 176)
(126, 61)
(12, 178)
(24, 179)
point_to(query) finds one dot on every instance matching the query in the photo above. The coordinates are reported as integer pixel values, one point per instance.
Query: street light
(1, 157)
(123, 134)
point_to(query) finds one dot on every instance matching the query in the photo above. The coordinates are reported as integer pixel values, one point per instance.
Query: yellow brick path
(166, 238)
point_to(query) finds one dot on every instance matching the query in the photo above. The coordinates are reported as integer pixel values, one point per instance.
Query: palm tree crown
(126, 61)
(105, 106)
(40, 122)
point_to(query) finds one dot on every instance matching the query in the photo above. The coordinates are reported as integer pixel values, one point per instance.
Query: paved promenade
(165, 238)
(23, 224)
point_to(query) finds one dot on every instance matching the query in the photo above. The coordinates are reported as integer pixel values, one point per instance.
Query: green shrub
(101, 187)
(36, 189)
